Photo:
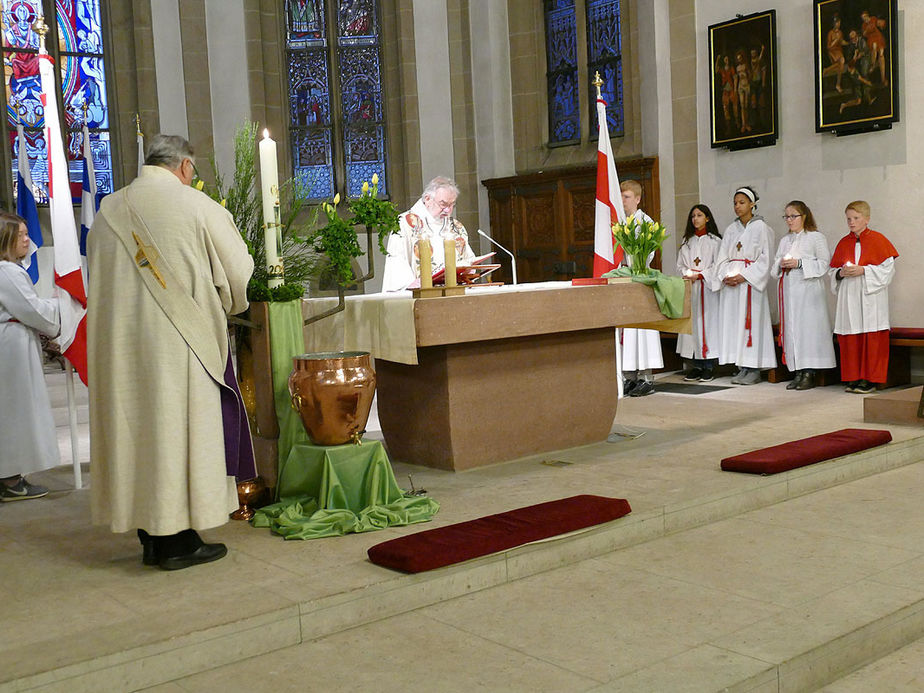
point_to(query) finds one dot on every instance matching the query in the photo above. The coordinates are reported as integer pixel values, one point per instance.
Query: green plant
(379, 216)
(638, 241)
(337, 240)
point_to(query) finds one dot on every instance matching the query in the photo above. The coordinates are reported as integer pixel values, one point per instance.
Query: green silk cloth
(333, 490)
(287, 340)
(668, 290)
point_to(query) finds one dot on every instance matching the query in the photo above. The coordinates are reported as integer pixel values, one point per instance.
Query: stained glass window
(76, 41)
(562, 72)
(604, 55)
(336, 111)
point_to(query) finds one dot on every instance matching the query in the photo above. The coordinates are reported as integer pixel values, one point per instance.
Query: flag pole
(72, 423)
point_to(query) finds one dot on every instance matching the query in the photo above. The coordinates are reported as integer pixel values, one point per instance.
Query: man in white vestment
(641, 349)
(432, 218)
(167, 266)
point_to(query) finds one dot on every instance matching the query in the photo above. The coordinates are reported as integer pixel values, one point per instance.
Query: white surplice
(402, 264)
(863, 302)
(641, 349)
(745, 250)
(697, 255)
(28, 442)
(804, 319)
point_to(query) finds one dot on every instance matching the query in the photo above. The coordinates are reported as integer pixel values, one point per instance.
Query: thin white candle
(269, 182)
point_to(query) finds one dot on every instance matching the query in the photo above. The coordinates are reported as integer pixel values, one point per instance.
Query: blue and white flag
(26, 207)
(89, 205)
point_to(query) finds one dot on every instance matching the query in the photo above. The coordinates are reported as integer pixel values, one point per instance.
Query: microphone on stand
(513, 260)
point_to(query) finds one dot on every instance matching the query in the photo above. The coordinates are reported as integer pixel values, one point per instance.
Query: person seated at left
(430, 218)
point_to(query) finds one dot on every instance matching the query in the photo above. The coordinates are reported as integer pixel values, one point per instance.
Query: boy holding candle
(862, 268)
(641, 349)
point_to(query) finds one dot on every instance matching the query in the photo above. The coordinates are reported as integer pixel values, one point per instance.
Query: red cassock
(864, 354)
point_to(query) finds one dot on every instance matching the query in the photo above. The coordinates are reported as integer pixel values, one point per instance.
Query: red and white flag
(608, 208)
(72, 291)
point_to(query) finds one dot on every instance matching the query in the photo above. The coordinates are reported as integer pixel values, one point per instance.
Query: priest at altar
(430, 218)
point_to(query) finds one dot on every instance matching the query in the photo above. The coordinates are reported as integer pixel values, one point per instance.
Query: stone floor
(715, 580)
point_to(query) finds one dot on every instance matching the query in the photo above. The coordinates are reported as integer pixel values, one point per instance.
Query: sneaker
(851, 386)
(864, 387)
(644, 387)
(752, 377)
(694, 374)
(23, 490)
(629, 385)
(707, 376)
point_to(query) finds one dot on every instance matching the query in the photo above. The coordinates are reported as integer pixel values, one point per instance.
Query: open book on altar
(465, 274)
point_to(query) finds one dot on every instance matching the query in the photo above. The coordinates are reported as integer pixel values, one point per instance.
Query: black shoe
(795, 382)
(148, 550)
(694, 374)
(851, 386)
(707, 377)
(204, 554)
(629, 385)
(807, 382)
(864, 387)
(644, 387)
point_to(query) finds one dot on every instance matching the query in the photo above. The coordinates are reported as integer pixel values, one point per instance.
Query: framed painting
(856, 80)
(742, 60)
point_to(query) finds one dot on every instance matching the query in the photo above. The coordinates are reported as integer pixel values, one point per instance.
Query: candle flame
(265, 134)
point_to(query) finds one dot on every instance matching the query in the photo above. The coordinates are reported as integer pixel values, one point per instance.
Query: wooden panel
(546, 218)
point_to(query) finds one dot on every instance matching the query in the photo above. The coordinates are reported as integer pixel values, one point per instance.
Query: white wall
(884, 168)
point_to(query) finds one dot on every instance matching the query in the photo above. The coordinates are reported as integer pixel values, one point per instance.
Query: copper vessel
(332, 393)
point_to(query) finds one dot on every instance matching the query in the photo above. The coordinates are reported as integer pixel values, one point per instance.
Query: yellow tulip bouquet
(639, 240)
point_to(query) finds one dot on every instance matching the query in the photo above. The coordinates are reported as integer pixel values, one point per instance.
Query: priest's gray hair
(440, 182)
(168, 151)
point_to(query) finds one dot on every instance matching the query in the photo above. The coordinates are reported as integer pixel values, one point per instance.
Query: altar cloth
(333, 490)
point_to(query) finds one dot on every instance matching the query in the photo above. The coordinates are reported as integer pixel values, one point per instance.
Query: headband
(747, 191)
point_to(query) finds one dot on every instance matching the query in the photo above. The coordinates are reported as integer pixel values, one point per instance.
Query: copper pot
(332, 393)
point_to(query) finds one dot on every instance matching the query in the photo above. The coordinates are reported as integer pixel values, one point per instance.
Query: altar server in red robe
(862, 268)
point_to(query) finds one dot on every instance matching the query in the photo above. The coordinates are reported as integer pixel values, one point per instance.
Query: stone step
(134, 653)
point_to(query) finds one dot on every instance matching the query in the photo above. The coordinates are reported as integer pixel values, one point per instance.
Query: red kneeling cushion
(435, 548)
(799, 453)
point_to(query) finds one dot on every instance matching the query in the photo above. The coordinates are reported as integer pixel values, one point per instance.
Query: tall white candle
(269, 181)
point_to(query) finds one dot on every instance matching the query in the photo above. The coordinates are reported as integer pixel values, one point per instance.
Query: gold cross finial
(138, 124)
(146, 257)
(598, 82)
(41, 29)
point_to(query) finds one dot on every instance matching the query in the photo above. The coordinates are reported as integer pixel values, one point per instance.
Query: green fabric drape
(668, 290)
(286, 340)
(334, 490)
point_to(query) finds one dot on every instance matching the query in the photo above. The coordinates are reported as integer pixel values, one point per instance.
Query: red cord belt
(747, 314)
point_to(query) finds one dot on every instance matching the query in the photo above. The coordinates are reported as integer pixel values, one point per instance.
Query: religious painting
(856, 80)
(743, 79)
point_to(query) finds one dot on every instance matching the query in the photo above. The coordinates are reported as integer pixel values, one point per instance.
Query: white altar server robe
(402, 264)
(28, 442)
(698, 255)
(745, 250)
(804, 319)
(863, 302)
(641, 349)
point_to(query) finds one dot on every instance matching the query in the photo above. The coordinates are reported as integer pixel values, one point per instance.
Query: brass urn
(332, 393)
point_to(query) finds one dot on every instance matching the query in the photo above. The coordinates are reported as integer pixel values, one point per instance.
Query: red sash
(747, 313)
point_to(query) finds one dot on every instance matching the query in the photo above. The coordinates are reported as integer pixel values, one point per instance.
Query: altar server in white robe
(696, 261)
(742, 272)
(167, 266)
(641, 349)
(28, 442)
(432, 218)
(862, 268)
(801, 265)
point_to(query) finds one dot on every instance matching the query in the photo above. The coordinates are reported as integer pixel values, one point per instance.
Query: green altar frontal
(333, 490)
